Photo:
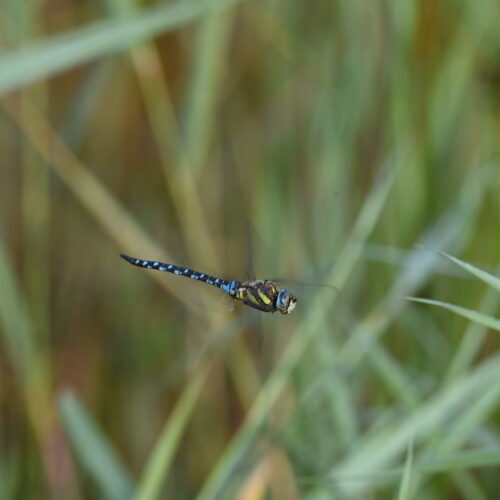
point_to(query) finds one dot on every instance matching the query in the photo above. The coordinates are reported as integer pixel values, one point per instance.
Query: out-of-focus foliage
(319, 141)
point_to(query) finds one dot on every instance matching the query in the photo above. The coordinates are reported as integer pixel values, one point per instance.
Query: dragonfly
(264, 295)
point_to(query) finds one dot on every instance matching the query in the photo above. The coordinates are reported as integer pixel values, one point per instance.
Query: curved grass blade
(487, 278)
(475, 316)
(93, 450)
(473, 337)
(59, 53)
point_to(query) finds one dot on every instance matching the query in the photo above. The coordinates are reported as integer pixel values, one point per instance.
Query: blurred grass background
(341, 133)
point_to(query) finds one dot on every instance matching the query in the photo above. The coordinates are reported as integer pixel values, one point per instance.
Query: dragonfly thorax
(264, 295)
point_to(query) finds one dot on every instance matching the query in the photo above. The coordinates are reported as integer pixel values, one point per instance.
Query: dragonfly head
(285, 302)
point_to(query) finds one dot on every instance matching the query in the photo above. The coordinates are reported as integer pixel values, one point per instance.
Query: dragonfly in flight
(264, 295)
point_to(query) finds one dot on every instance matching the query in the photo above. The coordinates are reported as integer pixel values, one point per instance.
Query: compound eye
(283, 298)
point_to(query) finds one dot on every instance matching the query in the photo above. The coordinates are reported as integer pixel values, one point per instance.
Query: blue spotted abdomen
(225, 285)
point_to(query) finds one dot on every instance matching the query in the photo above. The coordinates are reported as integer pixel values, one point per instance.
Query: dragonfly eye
(285, 302)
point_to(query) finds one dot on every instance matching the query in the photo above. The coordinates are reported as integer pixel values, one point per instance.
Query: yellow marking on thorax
(264, 297)
(240, 293)
(253, 299)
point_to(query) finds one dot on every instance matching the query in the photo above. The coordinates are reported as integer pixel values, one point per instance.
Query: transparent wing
(306, 289)
(203, 295)
(306, 292)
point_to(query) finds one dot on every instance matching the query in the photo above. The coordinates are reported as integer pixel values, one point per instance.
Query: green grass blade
(466, 460)
(487, 278)
(473, 417)
(61, 52)
(452, 463)
(406, 481)
(27, 358)
(93, 450)
(480, 318)
(484, 457)
(473, 338)
(16, 323)
(208, 67)
(159, 463)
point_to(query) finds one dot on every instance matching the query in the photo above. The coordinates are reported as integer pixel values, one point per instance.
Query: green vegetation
(354, 144)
